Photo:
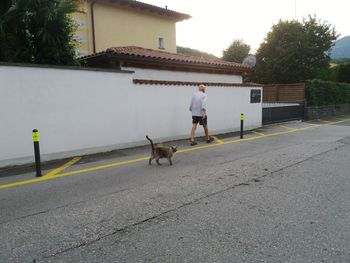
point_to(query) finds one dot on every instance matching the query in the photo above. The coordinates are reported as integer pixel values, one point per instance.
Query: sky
(216, 23)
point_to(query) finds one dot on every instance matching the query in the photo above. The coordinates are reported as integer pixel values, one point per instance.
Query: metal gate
(283, 102)
(280, 112)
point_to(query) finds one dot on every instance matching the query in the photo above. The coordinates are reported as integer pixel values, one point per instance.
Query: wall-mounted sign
(255, 96)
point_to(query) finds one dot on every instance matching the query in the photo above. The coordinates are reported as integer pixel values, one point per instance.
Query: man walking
(199, 113)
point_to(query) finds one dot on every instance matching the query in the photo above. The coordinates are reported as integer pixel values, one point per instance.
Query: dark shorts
(200, 120)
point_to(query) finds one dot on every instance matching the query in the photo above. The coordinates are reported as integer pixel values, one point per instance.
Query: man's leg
(206, 131)
(207, 137)
(193, 130)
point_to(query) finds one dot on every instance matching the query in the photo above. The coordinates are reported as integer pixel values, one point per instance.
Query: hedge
(344, 73)
(322, 93)
(338, 73)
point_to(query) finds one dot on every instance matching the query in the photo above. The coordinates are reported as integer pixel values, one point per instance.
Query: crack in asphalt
(345, 140)
(59, 207)
(196, 200)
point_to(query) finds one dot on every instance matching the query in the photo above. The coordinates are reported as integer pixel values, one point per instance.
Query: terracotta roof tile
(194, 83)
(133, 51)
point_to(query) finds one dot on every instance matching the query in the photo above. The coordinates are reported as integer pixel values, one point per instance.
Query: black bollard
(242, 120)
(37, 153)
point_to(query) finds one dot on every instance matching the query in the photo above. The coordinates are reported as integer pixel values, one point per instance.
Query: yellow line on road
(63, 167)
(259, 133)
(199, 148)
(216, 145)
(324, 121)
(44, 178)
(218, 140)
(339, 119)
(103, 166)
(312, 124)
(336, 122)
(288, 128)
(25, 182)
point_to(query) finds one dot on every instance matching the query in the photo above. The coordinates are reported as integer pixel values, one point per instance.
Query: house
(155, 65)
(132, 35)
(111, 23)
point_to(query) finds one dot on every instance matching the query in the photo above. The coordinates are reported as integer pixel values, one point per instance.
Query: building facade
(112, 23)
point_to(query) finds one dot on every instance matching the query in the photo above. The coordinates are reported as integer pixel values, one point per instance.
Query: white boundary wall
(183, 76)
(82, 111)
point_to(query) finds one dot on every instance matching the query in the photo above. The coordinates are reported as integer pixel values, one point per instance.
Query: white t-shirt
(198, 103)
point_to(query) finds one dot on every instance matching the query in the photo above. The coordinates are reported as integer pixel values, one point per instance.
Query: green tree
(294, 51)
(14, 39)
(37, 31)
(236, 52)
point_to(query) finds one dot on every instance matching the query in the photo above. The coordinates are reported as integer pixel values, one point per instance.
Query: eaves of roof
(154, 57)
(177, 16)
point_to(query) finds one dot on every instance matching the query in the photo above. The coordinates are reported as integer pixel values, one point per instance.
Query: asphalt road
(283, 198)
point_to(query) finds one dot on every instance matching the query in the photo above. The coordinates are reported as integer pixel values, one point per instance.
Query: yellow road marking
(199, 148)
(103, 166)
(288, 128)
(312, 124)
(259, 133)
(63, 167)
(25, 182)
(335, 122)
(215, 145)
(44, 178)
(324, 121)
(339, 119)
(218, 140)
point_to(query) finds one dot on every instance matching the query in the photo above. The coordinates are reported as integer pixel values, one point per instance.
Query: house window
(161, 43)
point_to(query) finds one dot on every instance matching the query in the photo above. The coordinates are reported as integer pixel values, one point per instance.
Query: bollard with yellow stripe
(37, 153)
(35, 135)
(241, 129)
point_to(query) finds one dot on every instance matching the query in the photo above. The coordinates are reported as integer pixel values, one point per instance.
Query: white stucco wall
(81, 112)
(183, 76)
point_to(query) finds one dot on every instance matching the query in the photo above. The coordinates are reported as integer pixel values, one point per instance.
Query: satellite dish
(249, 60)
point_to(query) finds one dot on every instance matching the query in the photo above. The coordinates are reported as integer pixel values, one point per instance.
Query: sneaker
(210, 139)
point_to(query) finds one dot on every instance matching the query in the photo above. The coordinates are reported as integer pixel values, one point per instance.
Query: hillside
(341, 49)
(194, 52)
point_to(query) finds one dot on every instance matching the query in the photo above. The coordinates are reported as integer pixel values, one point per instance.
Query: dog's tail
(151, 142)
